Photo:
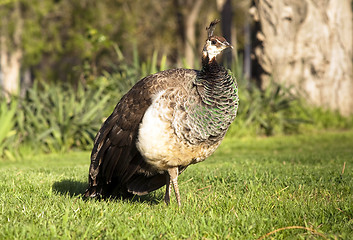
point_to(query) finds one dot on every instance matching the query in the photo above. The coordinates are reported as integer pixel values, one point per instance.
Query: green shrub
(324, 119)
(126, 74)
(58, 117)
(8, 138)
(275, 110)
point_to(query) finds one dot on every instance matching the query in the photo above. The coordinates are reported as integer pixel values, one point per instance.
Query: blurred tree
(234, 17)
(72, 40)
(188, 13)
(55, 39)
(11, 29)
(226, 10)
(307, 44)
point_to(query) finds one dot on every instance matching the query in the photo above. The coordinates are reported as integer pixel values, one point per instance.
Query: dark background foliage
(76, 58)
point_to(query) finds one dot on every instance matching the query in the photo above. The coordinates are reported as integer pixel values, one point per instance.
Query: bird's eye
(213, 42)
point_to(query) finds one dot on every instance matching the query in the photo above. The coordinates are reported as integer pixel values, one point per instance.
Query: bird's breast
(158, 141)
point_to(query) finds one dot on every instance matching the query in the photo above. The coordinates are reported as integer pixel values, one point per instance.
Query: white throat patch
(212, 50)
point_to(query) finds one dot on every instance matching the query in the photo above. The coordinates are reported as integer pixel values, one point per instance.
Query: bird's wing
(115, 161)
(114, 156)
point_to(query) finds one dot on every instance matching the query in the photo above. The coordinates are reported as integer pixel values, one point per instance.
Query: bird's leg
(173, 174)
(168, 190)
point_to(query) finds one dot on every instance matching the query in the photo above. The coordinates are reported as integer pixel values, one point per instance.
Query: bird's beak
(227, 45)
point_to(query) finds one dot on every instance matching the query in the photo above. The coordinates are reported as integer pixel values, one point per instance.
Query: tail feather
(142, 185)
(93, 192)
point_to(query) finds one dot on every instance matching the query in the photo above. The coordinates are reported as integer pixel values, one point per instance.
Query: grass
(289, 187)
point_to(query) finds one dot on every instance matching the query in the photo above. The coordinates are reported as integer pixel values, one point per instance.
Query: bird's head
(214, 44)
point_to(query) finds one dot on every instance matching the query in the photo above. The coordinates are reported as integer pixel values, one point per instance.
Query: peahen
(166, 122)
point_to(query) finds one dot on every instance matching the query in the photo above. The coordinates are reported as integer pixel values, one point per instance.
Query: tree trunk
(307, 44)
(190, 37)
(10, 67)
(225, 8)
(11, 52)
(26, 81)
(187, 12)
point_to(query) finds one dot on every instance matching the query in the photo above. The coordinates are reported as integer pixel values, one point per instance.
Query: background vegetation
(57, 117)
(77, 58)
(284, 169)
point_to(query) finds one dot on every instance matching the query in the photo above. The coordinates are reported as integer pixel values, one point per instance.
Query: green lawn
(247, 189)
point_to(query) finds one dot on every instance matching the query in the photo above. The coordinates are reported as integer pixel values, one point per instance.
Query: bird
(164, 123)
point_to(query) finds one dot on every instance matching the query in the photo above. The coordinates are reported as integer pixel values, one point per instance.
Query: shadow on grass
(75, 188)
(151, 198)
(71, 187)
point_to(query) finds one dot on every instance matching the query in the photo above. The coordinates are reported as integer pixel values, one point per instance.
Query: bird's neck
(218, 93)
(210, 65)
(214, 84)
(211, 71)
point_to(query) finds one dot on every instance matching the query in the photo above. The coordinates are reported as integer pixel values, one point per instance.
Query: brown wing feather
(115, 159)
(117, 167)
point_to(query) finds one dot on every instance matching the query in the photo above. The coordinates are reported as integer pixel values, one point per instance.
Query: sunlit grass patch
(296, 187)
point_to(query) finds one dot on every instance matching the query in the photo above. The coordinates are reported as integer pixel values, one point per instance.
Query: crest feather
(212, 27)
